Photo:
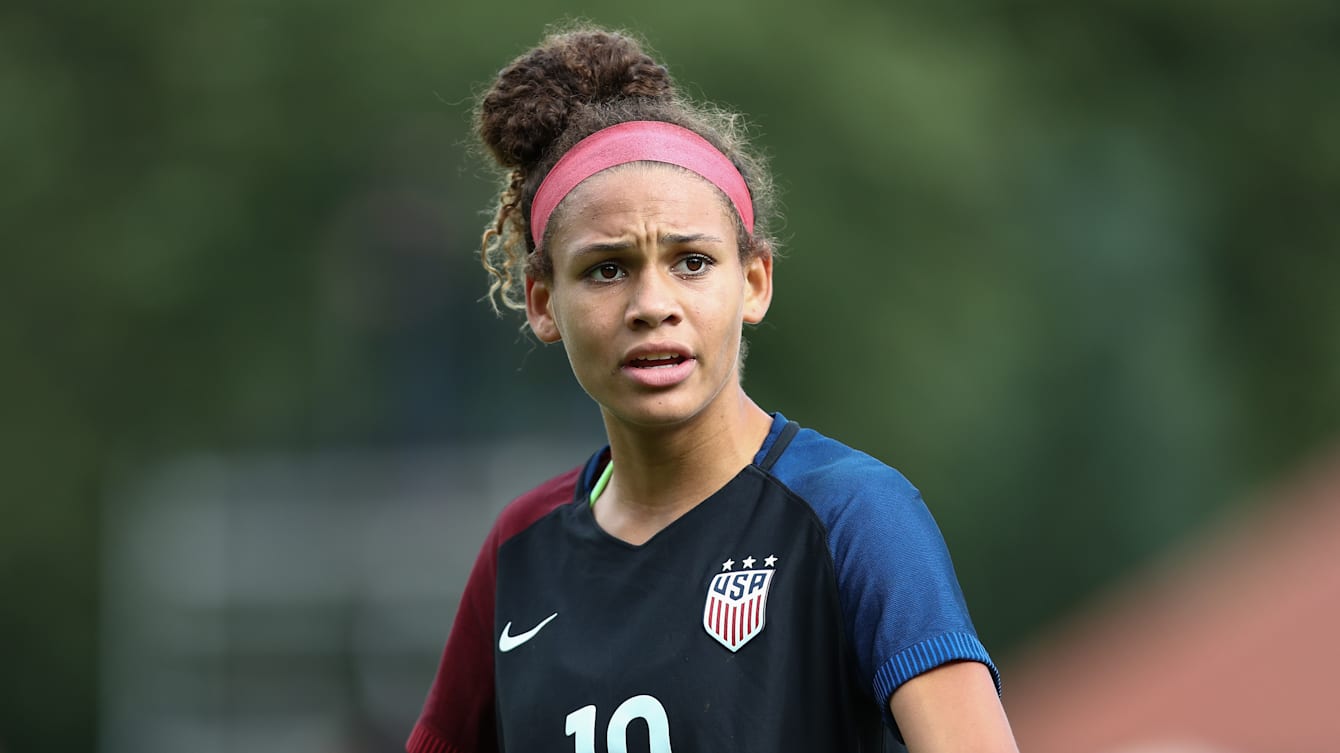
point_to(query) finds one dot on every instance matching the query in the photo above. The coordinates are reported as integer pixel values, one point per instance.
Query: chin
(662, 418)
(654, 411)
(661, 410)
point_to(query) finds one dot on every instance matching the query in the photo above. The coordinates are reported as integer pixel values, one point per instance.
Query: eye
(605, 272)
(693, 265)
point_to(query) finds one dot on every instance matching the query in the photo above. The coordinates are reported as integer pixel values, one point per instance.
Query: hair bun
(530, 104)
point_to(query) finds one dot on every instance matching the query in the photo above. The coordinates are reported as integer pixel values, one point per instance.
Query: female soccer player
(715, 579)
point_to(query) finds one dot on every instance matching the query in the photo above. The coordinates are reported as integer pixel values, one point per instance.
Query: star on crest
(728, 564)
(748, 562)
(770, 561)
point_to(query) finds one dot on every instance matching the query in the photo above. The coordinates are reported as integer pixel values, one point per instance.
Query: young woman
(717, 578)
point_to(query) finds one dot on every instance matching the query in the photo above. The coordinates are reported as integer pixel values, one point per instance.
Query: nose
(653, 302)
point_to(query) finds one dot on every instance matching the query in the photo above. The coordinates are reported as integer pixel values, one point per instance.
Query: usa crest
(737, 602)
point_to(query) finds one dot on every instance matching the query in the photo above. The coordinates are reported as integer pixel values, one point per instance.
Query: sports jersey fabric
(778, 615)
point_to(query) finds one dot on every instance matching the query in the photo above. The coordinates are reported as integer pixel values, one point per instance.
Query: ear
(758, 285)
(539, 310)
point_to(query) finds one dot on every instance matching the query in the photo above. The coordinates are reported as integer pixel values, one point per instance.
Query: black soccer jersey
(778, 615)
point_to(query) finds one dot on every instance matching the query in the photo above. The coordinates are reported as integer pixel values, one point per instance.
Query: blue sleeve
(901, 602)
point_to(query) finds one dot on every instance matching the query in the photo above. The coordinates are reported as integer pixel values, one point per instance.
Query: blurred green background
(1069, 266)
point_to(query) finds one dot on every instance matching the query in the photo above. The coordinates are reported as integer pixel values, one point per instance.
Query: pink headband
(637, 141)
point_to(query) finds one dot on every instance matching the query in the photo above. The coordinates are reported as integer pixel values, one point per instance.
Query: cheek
(724, 320)
(583, 323)
(572, 316)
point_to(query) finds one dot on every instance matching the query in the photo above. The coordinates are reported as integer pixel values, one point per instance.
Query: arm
(903, 609)
(952, 708)
(459, 716)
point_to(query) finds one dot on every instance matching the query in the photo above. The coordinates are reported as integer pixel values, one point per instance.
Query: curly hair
(574, 83)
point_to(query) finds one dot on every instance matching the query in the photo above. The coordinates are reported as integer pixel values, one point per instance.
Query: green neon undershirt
(602, 482)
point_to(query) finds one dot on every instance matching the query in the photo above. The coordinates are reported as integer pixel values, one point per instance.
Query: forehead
(634, 198)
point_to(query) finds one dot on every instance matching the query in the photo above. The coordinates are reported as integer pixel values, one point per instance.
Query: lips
(659, 366)
(656, 361)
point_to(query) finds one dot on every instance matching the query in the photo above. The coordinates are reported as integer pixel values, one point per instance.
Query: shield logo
(737, 606)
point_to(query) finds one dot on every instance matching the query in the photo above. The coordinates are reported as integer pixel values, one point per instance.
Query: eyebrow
(674, 239)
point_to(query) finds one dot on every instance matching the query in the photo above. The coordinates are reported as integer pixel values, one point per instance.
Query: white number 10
(582, 724)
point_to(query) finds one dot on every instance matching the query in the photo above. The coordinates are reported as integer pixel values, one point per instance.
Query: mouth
(659, 366)
(656, 361)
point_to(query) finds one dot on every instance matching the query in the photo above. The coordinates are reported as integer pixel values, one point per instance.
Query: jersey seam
(557, 510)
(822, 528)
(901, 666)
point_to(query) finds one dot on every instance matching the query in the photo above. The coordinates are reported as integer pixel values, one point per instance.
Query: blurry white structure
(293, 603)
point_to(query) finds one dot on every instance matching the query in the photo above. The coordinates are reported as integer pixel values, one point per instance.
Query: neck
(662, 472)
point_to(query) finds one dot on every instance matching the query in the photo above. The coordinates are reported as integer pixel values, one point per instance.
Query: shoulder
(524, 511)
(863, 505)
(904, 611)
(828, 475)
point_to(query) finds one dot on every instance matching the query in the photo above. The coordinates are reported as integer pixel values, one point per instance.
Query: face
(649, 294)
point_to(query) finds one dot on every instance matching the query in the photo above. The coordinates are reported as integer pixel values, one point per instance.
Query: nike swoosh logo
(508, 642)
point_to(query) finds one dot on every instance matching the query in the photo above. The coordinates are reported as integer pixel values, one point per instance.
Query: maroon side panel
(458, 716)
